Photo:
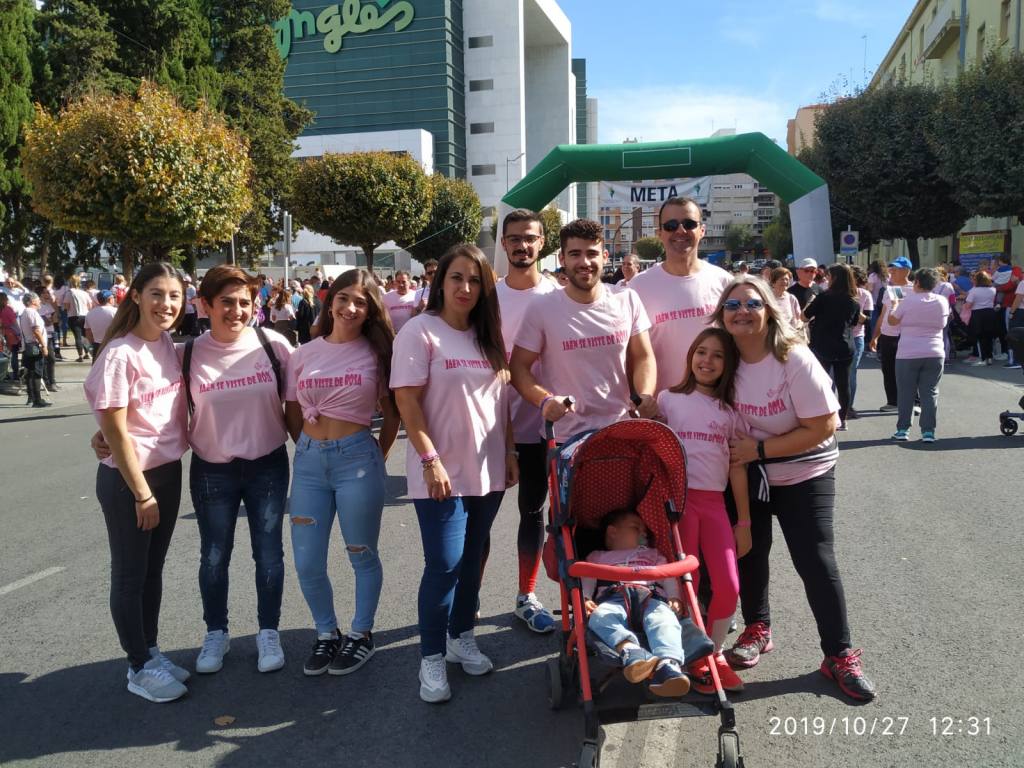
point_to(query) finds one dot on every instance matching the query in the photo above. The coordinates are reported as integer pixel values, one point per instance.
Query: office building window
(481, 85)
(484, 170)
(475, 128)
(484, 41)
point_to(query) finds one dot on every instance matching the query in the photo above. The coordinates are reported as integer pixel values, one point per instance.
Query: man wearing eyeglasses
(522, 237)
(592, 342)
(804, 288)
(423, 293)
(681, 293)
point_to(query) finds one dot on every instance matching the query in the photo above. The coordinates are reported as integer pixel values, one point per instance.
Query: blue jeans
(345, 477)
(217, 491)
(454, 533)
(858, 353)
(664, 635)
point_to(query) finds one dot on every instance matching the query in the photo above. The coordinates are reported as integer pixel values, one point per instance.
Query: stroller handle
(688, 564)
(549, 426)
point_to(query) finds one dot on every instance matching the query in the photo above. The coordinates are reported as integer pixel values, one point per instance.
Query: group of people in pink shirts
(472, 375)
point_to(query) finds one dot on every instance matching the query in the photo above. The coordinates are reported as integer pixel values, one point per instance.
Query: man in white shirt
(423, 293)
(522, 237)
(400, 302)
(630, 269)
(682, 292)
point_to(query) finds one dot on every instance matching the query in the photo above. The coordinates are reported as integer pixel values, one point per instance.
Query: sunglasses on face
(673, 224)
(732, 305)
(516, 240)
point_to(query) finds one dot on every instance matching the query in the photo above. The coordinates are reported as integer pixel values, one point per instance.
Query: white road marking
(30, 580)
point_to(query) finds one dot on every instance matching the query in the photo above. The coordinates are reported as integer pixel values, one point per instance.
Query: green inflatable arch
(752, 153)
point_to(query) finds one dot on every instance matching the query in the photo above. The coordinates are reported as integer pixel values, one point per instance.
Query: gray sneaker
(159, 660)
(463, 650)
(211, 655)
(155, 684)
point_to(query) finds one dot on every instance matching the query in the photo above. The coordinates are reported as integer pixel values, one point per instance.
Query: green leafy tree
(874, 152)
(650, 249)
(979, 134)
(142, 171)
(552, 221)
(16, 38)
(738, 237)
(252, 98)
(455, 217)
(362, 198)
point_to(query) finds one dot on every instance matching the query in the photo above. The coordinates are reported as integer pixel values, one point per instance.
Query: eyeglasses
(752, 305)
(673, 224)
(429, 272)
(515, 240)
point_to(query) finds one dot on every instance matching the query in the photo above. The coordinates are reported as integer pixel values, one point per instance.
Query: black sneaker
(355, 651)
(324, 651)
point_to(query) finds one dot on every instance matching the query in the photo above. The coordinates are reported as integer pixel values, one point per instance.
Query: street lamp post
(508, 162)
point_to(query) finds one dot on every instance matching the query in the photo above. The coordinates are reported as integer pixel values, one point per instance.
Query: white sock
(719, 632)
(629, 646)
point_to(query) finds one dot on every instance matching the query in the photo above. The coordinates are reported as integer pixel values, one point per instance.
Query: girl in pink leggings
(699, 410)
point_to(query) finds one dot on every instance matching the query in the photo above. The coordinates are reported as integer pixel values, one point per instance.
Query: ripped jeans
(345, 477)
(217, 491)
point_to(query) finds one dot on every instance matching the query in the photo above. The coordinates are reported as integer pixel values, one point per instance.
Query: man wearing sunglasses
(423, 293)
(681, 293)
(522, 237)
(804, 288)
(592, 344)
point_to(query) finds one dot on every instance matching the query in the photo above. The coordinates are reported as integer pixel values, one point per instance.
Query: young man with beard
(681, 293)
(587, 338)
(522, 237)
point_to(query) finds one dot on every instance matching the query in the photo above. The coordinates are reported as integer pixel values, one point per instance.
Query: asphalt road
(929, 541)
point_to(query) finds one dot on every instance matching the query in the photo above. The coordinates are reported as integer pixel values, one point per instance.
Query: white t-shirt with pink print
(143, 377)
(465, 405)
(705, 426)
(772, 397)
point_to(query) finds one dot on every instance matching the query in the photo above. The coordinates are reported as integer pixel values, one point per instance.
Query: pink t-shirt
(238, 413)
(144, 377)
(400, 307)
(867, 304)
(887, 297)
(922, 319)
(772, 397)
(789, 306)
(705, 426)
(679, 309)
(339, 381)
(582, 350)
(465, 405)
(98, 320)
(527, 423)
(640, 557)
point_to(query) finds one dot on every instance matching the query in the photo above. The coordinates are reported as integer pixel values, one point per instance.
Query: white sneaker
(434, 679)
(211, 656)
(155, 684)
(178, 673)
(268, 643)
(464, 651)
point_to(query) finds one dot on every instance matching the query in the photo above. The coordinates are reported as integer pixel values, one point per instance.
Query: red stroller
(641, 465)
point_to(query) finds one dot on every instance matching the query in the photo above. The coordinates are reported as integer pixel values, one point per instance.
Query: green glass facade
(386, 80)
(579, 69)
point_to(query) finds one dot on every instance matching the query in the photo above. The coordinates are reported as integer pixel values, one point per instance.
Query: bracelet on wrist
(429, 458)
(545, 401)
(429, 465)
(513, 453)
(760, 450)
(143, 501)
(743, 524)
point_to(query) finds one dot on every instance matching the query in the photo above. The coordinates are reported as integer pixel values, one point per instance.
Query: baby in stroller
(618, 611)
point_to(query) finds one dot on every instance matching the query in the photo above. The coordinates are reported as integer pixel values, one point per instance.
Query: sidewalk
(70, 376)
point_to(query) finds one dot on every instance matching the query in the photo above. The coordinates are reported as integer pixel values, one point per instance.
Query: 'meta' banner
(639, 194)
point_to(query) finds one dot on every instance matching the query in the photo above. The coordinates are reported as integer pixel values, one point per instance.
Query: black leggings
(887, 357)
(985, 325)
(805, 513)
(137, 556)
(839, 370)
(77, 326)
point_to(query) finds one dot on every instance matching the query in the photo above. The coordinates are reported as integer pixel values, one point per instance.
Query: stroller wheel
(556, 691)
(729, 750)
(590, 756)
(1008, 427)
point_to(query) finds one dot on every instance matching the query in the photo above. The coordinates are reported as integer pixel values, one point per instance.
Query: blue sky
(676, 69)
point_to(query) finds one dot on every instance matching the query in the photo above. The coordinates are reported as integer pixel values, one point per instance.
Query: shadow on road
(371, 718)
(39, 417)
(942, 444)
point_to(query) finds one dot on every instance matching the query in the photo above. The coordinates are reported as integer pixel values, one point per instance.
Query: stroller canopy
(637, 464)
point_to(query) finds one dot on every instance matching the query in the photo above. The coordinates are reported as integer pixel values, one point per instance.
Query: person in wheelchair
(617, 612)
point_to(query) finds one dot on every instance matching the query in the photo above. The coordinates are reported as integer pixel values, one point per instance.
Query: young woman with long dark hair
(336, 384)
(134, 388)
(450, 378)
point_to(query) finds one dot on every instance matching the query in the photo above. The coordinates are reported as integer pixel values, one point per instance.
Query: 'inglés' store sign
(351, 17)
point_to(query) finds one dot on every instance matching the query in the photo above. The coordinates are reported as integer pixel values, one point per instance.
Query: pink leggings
(707, 534)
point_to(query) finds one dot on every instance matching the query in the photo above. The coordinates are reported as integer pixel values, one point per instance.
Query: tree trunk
(128, 261)
(368, 249)
(915, 256)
